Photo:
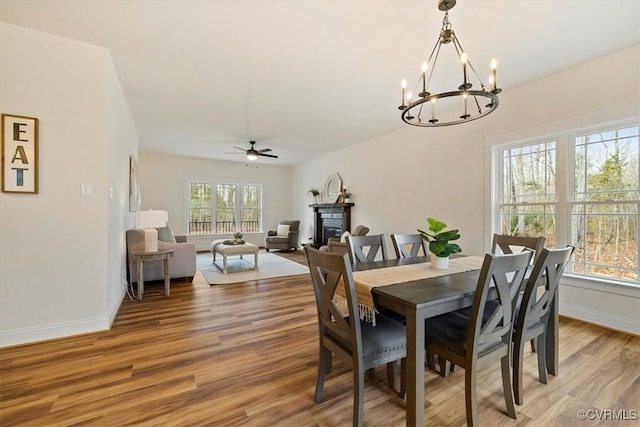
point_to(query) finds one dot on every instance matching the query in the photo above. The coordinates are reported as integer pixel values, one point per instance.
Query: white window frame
(564, 134)
(214, 182)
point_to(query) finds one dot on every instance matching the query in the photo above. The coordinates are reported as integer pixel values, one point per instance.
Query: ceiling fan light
(252, 156)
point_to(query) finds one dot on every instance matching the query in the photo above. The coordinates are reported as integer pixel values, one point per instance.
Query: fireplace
(330, 220)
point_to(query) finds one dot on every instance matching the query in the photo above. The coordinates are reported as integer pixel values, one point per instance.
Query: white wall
(55, 246)
(400, 179)
(162, 186)
(122, 141)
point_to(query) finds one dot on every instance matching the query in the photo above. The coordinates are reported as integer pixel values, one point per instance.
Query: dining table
(418, 300)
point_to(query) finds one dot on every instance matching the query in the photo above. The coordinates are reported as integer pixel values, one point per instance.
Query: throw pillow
(343, 238)
(166, 235)
(283, 230)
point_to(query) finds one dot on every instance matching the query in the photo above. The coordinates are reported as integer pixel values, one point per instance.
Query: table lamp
(148, 220)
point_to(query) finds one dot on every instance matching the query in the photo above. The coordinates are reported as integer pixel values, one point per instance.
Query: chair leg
(507, 385)
(403, 377)
(470, 396)
(392, 373)
(358, 396)
(518, 356)
(542, 361)
(431, 360)
(445, 366)
(371, 372)
(324, 366)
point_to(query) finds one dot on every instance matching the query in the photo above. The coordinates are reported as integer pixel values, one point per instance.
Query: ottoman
(219, 247)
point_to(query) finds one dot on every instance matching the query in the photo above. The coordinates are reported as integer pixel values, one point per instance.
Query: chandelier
(449, 107)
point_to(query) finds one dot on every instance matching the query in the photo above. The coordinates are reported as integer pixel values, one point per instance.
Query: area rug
(241, 270)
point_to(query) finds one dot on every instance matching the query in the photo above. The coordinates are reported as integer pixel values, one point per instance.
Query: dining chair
(409, 245)
(360, 345)
(533, 312)
(506, 244)
(477, 341)
(365, 249)
(503, 243)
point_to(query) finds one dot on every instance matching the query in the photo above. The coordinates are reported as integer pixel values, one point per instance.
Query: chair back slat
(365, 249)
(506, 244)
(408, 245)
(506, 273)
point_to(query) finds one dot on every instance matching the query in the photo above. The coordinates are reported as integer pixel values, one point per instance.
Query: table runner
(366, 280)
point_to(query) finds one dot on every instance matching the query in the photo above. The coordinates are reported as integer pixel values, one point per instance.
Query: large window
(598, 210)
(224, 207)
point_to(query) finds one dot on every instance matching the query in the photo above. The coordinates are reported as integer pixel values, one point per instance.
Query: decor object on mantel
(149, 220)
(439, 243)
(332, 188)
(415, 112)
(315, 193)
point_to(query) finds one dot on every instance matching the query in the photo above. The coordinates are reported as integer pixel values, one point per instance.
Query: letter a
(21, 155)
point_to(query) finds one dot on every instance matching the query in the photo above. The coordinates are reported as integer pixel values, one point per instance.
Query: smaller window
(529, 191)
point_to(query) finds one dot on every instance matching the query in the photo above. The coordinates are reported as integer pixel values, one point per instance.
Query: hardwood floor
(245, 355)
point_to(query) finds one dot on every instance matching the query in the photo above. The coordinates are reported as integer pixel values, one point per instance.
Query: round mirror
(332, 188)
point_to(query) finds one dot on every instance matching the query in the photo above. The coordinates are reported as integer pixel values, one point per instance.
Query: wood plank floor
(245, 355)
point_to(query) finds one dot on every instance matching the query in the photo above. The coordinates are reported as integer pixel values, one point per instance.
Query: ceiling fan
(252, 153)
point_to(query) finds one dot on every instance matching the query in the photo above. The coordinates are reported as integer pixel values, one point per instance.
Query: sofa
(182, 264)
(279, 239)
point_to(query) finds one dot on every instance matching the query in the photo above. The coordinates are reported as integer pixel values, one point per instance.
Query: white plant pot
(439, 263)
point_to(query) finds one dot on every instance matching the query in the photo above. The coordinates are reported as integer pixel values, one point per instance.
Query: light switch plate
(85, 189)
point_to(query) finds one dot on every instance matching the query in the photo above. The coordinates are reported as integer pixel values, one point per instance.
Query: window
(604, 207)
(529, 191)
(235, 207)
(597, 212)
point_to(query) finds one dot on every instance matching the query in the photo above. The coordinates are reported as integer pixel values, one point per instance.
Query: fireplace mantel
(330, 220)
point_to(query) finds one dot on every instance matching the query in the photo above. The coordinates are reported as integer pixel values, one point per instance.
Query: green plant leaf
(449, 235)
(436, 226)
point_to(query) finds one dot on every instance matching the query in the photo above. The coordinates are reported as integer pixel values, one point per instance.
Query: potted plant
(439, 244)
(346, 196)
(237, 236)
(315, 193)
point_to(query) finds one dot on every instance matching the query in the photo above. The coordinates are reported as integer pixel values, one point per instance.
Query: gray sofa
(181, 265)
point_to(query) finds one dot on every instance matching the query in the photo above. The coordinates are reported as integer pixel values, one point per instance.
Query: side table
(140, 257)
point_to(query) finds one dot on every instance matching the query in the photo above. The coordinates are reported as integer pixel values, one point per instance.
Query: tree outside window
(601, 205)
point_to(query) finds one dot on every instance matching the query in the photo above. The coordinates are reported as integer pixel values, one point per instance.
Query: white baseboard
(47, 332)
(605, 319)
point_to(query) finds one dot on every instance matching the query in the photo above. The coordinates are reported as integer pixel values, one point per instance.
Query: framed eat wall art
(19, 154)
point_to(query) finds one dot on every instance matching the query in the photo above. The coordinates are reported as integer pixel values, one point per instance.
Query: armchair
(336, 245)
(286, 237)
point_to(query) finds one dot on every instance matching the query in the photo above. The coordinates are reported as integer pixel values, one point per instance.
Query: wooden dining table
(418, 300)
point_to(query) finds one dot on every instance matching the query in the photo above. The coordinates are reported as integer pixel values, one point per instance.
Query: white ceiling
(310, 77)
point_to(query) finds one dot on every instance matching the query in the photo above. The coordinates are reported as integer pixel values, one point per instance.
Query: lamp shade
(151, 218)
(148, 220)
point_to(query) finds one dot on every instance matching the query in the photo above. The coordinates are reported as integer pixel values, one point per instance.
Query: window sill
(630, 289)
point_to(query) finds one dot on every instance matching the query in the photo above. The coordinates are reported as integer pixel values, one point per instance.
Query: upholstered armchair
(286, 237)
(340, 245)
